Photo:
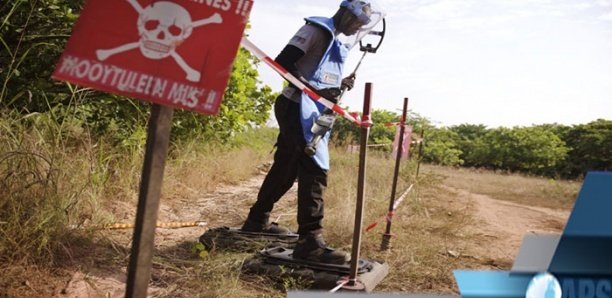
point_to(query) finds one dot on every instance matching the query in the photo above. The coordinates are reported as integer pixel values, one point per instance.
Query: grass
(423, 233)
(51, 184)
(57, 185)
(533, 191)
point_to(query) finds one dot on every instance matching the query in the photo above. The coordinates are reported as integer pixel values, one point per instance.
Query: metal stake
(158, 138)
(353, 284)
(386, 240)
(420, 152)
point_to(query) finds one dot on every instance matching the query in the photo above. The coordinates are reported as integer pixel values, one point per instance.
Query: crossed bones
(191, 74)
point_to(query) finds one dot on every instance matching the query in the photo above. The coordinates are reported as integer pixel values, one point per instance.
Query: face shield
(371, 22)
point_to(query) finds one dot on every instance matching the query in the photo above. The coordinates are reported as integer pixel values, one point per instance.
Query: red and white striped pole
(293, 80)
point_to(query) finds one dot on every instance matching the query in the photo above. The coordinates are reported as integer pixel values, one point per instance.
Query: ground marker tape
(389, 124)
(339, 286)
(163, 225)
(389, 215)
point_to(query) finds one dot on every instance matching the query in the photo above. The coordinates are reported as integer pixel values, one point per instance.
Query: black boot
(313, 248)
(258, 227)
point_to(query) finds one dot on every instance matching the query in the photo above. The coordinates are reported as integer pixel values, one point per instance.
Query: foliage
(470, 143)
(531, 150)
(590, 148)
(382, 132)
(552, 150)
(33, 36)
(245, 105)
(441, 147)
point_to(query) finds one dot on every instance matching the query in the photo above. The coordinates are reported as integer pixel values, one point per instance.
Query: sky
(493, 62)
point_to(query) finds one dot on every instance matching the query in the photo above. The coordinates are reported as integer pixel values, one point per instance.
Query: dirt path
(501, 225)
(227, 206)
(498, 227)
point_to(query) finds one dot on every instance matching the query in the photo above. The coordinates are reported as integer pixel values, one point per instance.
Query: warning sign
(407, 140)
(177, 53)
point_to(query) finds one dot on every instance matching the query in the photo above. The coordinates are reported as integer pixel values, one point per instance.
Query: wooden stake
(158, 138)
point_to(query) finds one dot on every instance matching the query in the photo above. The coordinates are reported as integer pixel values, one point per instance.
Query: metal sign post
(386, 240)
(353, 284)
(158, 138)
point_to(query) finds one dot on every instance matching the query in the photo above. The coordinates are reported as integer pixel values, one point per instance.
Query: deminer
(316, 56)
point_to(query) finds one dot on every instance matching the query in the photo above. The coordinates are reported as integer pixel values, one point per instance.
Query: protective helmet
(356, 7)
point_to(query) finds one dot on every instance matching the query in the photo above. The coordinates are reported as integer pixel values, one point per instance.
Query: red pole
(420, 152)
(353, 284)
(386, 240)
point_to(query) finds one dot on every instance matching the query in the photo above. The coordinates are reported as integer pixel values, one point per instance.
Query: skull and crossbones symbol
(162, 27)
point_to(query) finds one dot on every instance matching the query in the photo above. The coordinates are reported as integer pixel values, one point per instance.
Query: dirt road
(502, 224)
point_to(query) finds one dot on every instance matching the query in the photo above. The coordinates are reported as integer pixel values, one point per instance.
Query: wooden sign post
(158, 138)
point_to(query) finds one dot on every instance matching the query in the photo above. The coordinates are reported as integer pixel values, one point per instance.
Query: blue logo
(543, 285)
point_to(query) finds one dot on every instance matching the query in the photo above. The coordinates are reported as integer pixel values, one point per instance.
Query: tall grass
(532, 191)
(59, 183)
(422, 232)
(55, 177)
(201, 165)
(341, 195)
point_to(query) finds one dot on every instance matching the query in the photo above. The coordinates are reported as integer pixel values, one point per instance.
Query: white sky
(493, 62)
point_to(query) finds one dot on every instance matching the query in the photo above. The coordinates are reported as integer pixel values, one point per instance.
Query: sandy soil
(501, 225)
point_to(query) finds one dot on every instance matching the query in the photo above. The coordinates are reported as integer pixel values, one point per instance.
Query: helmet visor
(369, 20)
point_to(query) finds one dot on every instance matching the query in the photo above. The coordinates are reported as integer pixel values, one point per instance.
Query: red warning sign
(177, 53)
(407, 140)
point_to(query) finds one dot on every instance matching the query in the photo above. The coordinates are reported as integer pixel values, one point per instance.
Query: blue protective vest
(328, 74)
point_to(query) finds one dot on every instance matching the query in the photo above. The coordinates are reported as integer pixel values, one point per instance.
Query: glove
(349, 82)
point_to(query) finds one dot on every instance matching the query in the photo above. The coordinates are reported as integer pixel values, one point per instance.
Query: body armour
(328, 74)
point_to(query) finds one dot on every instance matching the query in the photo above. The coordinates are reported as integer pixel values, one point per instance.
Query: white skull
(163, 26)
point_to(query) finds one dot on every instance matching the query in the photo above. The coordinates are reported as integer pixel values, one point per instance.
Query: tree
(590, 148)
(345, 132)
(473, 149)
(32, 36)
(526, 149)
(383, 132)
(441, 147)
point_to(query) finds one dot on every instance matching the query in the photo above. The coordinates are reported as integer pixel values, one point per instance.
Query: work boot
(272, 228)
(313, 248)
